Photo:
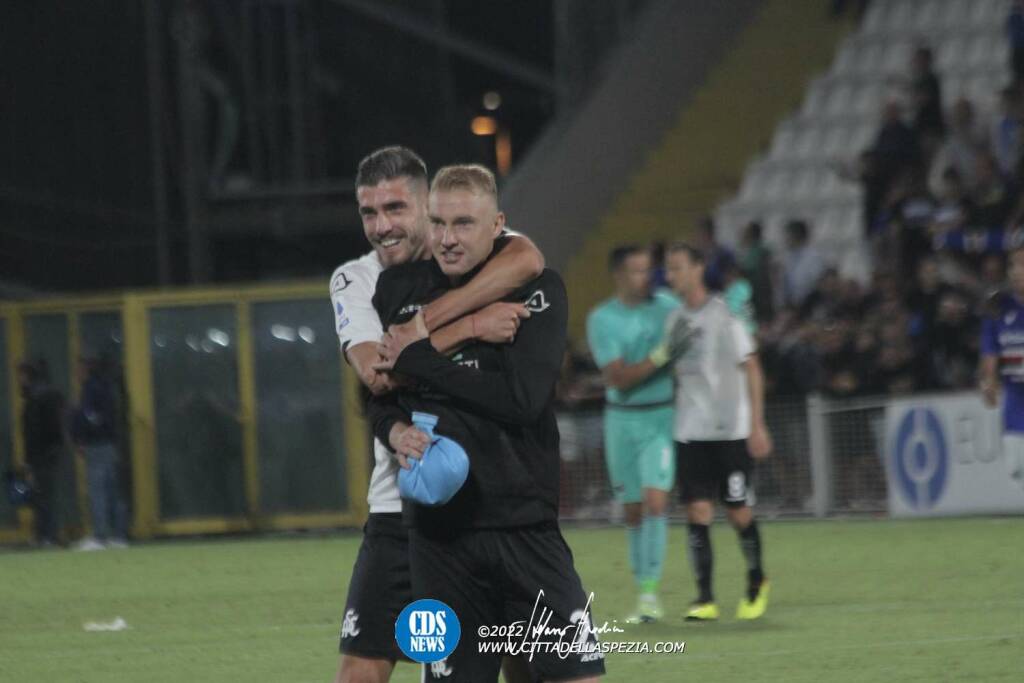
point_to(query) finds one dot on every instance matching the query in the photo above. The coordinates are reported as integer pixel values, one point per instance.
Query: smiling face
(464, 224)
(394, 215)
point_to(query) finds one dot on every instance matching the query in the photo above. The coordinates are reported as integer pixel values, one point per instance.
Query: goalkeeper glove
(660, 356)
(675, 345)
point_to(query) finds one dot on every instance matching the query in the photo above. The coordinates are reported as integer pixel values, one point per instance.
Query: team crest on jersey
(350, 625)
(537, 302)
(1010, 317)
(340, 283)
(440, 669)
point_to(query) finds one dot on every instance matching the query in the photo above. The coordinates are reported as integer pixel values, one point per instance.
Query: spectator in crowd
(658, 280)
(1006, 135)
(960, 150)
(755, 262)
(953, 344)
(790, 356)
(884, 296)
(898, 369)
(909, 211)
(42, 424)
(803, 265)
(851, 300)
(955, 205)
(94, 430)
(896, 146)
(895, 151)
(1016, 219)
(924, 296)
(824, 300)
(992, 277)
(842, 363)
(738, 294)
(993, 195)
(926, 98)
(1015, 35)
(868, 171)
(716, 256)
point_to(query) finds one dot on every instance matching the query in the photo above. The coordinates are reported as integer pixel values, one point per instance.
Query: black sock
(700, 558)
(750, 543)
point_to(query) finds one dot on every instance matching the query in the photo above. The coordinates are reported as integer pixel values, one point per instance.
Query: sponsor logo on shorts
(440, 669)
(350, 625)
(737, 485)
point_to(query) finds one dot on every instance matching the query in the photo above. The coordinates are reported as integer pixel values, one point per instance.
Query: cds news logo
(921, 458)
(427, 631)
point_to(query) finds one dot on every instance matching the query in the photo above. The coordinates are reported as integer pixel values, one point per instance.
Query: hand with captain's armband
(676, 343)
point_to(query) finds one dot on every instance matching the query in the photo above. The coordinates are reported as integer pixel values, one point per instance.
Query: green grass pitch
(852, 601)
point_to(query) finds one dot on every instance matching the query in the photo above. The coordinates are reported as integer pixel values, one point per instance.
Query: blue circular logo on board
(920, 458)
(427, 631)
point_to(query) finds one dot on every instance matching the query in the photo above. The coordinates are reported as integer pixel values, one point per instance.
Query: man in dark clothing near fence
(42, 424)
(94, 430)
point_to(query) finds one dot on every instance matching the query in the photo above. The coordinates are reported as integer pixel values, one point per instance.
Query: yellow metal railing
(135, 311)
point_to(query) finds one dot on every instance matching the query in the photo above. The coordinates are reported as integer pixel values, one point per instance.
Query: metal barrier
(827, 461)
(239, 410)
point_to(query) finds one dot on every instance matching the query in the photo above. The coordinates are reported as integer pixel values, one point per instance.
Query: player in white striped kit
(391, 189)
(719, 428)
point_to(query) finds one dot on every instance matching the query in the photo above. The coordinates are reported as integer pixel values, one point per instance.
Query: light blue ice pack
(435, 478)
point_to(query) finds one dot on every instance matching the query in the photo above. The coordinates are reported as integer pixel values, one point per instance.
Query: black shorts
(379, 590)
(714, 470)
(491, 578)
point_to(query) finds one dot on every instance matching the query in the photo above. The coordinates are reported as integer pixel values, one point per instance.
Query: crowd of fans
(943, 203)
(904, 332)
(938, 180)
(821, 332)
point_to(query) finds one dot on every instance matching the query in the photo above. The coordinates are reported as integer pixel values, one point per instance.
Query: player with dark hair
(625, 336)
(391, 189)
(1002, 358)
(719, 427)
(494, 551)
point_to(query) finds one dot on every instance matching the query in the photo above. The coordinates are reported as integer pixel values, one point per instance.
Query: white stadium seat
(956, 14)
(814, 103)
(846, 60)
(988, 13)
(897, 58)
(840, 100)
(783, 142)
(951, 54)
(874, 20)
(808, 143)
(900, 17)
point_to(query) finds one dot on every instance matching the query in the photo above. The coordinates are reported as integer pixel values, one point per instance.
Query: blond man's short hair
(471, 177)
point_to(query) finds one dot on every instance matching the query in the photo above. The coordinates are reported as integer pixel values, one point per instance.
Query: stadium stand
(665, 137)
(800, 174)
